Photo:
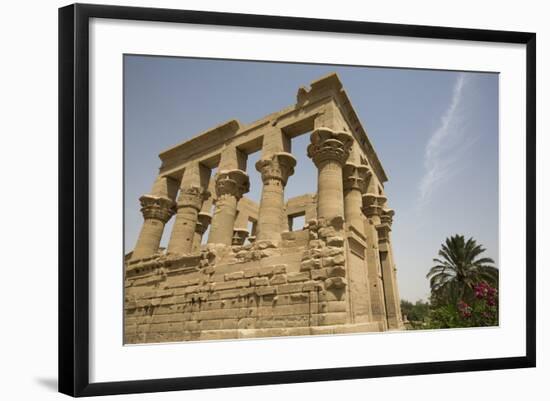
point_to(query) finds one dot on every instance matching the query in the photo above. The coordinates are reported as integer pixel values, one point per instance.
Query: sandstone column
(275, 172)
(355, 185)
(372, 210)
(157, 208)
(389, 277)
(329, 150)
(240, 229)
(203, 222)
(205, 216)
(231, 183)
(189, 204)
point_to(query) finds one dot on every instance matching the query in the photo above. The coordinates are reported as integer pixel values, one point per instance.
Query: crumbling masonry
(336, 275)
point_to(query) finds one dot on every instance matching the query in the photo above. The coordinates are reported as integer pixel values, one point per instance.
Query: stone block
(234, 293)
(299, 298)
(278, 279)
(279, 269)
(231, 284)
(234, 276)
(337, 306)
(310, 264)
(319, 274)
(299, 276)
(327, 232)
(259, 281)
(210, 324)
(335, 241)
(316, 243)
(289, 288)
(247, 323)
(251, 273)
(335, 282)
(326, 319)
(148, 280)
(336, 271)
(261, 291)
(312, 286)
(330, 296)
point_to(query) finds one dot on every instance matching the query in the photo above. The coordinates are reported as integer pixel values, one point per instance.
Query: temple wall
(249, 293)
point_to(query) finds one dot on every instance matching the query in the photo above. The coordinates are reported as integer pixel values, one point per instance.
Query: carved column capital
(192, 197)
(239, 236)
(387, 216)
(329, 145)
(156, 207)
(203, 222)
(232, 182)
(279, 167)
(383, 232)
(356, 177)
(371, 206)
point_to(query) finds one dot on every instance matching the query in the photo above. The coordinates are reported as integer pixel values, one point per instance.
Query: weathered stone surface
(234, 275)
(278, 279)
(268, 278)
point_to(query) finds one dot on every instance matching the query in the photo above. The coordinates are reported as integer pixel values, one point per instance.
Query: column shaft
(378, 305)
(355, 185)
(149, 238)
(203, 222)
(330, 190)
(390, 294)
(329, 151)
(156, 211)
(230, 187)
(223, 220)
(183, 232)
(352, 208)
(275, 172)
(389, 277)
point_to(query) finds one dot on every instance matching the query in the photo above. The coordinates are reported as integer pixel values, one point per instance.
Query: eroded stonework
(335, 275)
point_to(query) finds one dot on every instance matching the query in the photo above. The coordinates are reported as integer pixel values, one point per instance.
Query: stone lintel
(201, 146)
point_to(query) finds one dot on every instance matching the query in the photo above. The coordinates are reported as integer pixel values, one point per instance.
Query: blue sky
(435, 132)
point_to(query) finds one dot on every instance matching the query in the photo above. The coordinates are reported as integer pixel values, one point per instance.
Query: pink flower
(464, 309)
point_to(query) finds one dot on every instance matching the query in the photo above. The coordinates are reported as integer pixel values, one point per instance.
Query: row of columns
(385, 301)
(341, 189)
(345, 187)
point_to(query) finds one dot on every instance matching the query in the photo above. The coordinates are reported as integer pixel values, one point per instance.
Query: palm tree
(458, 268)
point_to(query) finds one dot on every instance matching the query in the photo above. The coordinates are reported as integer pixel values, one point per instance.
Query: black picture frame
(74, 198)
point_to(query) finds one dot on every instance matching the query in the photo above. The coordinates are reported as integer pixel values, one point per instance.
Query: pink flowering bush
(480, 311)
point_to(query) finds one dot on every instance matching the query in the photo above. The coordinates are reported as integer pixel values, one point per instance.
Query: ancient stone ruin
(336, 275)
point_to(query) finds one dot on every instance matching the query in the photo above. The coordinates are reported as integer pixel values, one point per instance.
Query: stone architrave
(275, 172)
(230, 187)
(157, 208)
(356, 177)
(329, 150)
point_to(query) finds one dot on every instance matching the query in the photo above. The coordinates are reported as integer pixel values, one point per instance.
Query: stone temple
(335, 275)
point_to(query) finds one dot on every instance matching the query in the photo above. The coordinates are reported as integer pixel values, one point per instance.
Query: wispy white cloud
(446, 144)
